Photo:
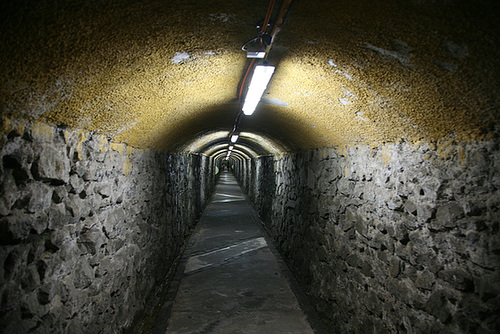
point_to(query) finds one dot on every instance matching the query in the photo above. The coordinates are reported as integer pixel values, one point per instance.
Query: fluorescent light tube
(234, 138)
(261, 76)
(256, 54)
(231, 148)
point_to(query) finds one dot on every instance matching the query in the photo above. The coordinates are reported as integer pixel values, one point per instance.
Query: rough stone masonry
(393, 239)
(88, 227)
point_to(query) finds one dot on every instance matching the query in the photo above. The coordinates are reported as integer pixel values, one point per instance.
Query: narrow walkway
(232, 282)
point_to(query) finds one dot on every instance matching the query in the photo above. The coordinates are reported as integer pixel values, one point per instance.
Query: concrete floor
(231, 280)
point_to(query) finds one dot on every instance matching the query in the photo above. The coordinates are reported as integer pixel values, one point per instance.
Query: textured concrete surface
(158, 74)
(232, 282)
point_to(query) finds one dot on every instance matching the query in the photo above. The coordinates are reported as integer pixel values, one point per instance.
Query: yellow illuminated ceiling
(160, 74)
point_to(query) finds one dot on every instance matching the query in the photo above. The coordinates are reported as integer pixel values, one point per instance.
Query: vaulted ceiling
(165, 74)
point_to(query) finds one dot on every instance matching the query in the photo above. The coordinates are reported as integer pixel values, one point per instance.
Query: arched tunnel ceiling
(158, 73)
(249, 153)
(234, 155)
(254, 145)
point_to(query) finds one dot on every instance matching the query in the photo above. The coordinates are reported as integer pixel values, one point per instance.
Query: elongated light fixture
(261, 77)
(234, 138)
(231, 148)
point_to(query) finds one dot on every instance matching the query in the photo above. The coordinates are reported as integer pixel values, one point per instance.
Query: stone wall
(256, 177)
(88, 228)
(397, 238)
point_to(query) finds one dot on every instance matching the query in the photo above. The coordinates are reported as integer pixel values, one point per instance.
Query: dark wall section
(257, 178)
(397, 238)
(89, 228)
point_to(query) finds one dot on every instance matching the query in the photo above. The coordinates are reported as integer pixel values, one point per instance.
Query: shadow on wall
(397, 238)
(89, 228)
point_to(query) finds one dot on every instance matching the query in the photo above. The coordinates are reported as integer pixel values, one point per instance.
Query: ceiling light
(234, 138)
(261, 77)
(256, 54)
(231, 148)
(256, 47)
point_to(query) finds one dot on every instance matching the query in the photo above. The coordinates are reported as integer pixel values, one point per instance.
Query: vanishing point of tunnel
(371, 164)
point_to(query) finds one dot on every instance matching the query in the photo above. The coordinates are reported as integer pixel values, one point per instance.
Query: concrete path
(231, 280)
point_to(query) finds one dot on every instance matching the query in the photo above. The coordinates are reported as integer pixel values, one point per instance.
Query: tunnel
(372, 158)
